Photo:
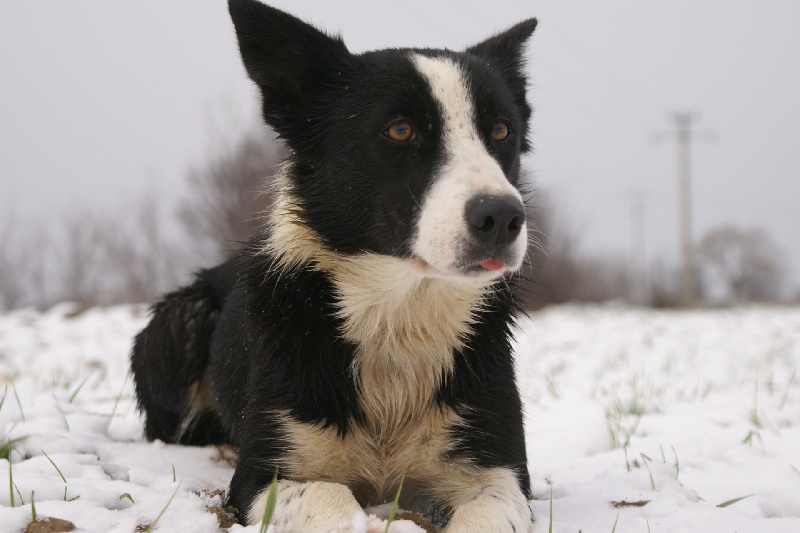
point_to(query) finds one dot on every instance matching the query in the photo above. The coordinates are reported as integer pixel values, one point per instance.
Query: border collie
(365, 336)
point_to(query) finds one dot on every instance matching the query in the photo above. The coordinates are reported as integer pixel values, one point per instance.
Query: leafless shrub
(558, 270)
(23, 279)
(741, 265)
(664, 286)
(229, 193)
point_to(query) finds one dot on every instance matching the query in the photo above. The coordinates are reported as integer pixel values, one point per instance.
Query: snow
(677, 412)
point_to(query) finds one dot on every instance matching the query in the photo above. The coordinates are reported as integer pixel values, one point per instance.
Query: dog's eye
(500, 130)
(400, 131)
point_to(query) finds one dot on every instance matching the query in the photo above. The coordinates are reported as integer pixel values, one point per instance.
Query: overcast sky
(103, 100)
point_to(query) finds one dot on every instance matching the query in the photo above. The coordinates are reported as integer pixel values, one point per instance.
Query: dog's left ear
(506, 47)
(505, 52)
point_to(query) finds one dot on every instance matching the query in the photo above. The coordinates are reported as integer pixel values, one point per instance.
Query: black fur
(269, 339)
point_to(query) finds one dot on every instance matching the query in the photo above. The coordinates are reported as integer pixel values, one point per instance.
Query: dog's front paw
(493, 511)
(479, 518)
(315, 507)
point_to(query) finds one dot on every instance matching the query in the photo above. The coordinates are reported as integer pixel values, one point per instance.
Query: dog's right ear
(290, 60)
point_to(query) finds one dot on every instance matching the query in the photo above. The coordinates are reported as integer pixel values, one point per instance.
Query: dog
(364, 337)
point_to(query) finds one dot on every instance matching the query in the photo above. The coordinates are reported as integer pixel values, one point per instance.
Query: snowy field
(655, 421)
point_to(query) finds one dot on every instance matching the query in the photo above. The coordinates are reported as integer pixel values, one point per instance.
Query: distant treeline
(138, 253)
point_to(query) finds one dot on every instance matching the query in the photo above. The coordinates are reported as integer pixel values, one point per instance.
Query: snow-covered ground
(652, 420)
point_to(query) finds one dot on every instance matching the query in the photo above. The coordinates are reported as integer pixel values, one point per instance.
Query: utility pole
(639, 294)
(683, 135)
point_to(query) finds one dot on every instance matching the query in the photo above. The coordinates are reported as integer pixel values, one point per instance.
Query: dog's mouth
(489, 267)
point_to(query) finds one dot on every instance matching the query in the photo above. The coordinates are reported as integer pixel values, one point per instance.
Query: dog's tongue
(492, 264)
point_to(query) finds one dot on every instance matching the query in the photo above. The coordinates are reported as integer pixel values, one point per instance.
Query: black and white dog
(366, 335)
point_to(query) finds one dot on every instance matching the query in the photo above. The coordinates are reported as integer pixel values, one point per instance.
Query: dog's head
(410, 153)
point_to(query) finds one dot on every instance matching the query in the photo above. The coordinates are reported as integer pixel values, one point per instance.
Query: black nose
(495, 220)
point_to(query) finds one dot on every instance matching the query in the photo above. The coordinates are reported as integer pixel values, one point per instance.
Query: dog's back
(365, 336)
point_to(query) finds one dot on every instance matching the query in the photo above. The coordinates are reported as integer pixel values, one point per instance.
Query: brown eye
(500, 130)
(400, 131)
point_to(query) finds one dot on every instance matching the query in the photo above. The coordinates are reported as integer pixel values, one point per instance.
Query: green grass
(646, 460)
(731, 502)
(60, 410)
(126, 496)
(785, 394)
(116, 405)
(79, 387)
(752, 436)
(62, 477)
(10, 484)
(163, 510)
(8, 447)
(550, 527)
(272, 501)
(613, 529)
(19, 403)
(627, 462)
(394, 505)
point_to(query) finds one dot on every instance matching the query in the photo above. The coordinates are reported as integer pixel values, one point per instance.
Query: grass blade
(731, 502)
(550, 528)
(126, 495)
(60, 410)
(677, 463)
(8, 447)
(613, 529)
(19, 404)
(33, 507)
(272, 500)
(646, 460)
(154, 522)
(10, 484)
(394, 505)
(54, 466)
(78, 389)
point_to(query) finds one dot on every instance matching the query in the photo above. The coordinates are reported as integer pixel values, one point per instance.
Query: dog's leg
(494, 504)
(169, 363)
(313, 507)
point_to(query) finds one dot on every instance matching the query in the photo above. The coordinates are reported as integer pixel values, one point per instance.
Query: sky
(102, 102)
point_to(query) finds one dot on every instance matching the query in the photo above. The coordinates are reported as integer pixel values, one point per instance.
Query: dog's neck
(407, 327)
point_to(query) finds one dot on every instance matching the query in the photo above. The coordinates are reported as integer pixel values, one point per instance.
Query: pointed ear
(508, 45)
(505, 51)
(291, 61)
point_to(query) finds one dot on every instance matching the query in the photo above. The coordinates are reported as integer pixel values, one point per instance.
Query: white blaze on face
(442, 231)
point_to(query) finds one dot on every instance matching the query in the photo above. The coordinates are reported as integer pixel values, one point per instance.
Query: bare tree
(558, 270)
(23, 256)
(140, 255)
(742, 264)
(229, 193)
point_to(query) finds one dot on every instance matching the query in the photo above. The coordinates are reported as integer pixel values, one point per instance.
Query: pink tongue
(492, 264)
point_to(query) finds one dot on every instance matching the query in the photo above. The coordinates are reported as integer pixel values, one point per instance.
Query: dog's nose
(495, 220)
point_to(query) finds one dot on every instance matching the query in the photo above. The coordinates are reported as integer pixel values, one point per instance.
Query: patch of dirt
(49, 525)
(623, 503)
(224, 518)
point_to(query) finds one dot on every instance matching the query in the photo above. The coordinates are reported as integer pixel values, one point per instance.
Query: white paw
(315, 507)
(494, 511)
